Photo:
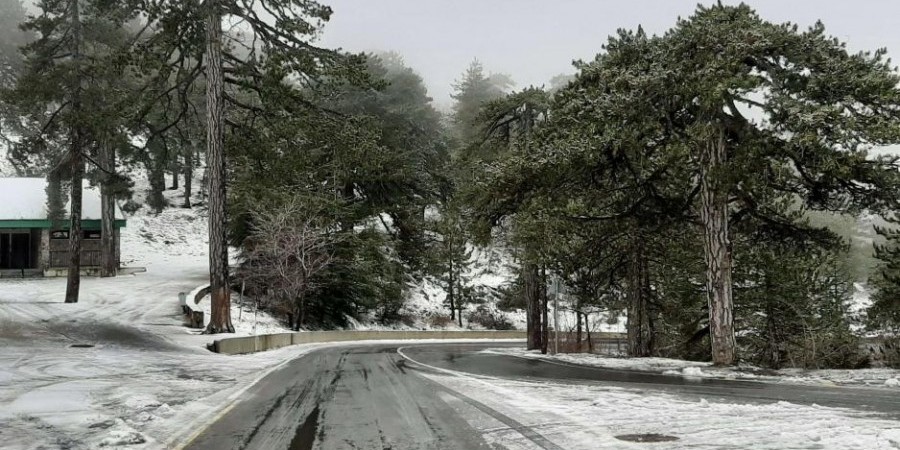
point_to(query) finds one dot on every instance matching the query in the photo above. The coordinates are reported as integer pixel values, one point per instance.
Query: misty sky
(533, 40)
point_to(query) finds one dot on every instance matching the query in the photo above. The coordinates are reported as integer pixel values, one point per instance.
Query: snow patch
(588, 416)
(692, 372)
(880, 377)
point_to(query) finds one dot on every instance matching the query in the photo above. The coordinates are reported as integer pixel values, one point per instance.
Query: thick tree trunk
(155, 198)
(532, 306)
(76, 160)
(109, 263)
(640, 324)
(220, 317)
(175, 174)
(156, 176)
(73, 284)
(717, 250)
(545, 334)
(188, 178)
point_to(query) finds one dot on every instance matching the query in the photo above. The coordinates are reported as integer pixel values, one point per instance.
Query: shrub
(489, 319)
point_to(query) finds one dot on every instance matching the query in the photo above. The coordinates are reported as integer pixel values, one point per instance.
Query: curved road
(374, 397)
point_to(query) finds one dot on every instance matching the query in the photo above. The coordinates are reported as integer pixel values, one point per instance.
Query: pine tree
(452, 258)
(59, 98)
(471, 92)
(504, 126)
(885, 310)
(276, 64)
(12, 38)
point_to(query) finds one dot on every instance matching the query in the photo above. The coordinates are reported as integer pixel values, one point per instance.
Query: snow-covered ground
(118, 369)
(146, 379)
(575, 416)
(887, 378)
(489, 270)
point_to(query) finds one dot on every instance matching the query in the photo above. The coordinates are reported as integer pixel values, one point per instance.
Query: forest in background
(713, 183)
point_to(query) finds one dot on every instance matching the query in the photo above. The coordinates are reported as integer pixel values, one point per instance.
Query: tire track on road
(525, 430)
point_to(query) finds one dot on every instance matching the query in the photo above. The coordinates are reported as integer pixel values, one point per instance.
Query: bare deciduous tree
(287, 247)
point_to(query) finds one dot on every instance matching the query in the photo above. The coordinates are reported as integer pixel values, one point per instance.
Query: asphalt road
(373, 397)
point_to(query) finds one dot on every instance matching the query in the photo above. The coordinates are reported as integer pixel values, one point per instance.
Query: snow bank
(138, 378)
(585, 416)
(847, 377)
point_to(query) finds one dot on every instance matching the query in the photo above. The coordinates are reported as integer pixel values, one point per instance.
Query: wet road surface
(374, 397)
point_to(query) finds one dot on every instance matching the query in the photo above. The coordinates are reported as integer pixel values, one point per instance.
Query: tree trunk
(73, 284)
(532, 306)
(302, 301)
(578, 330)
(545, 334)
(717, 249)
(459, 306)
(587, 329)
(640, 325)
(772, 338)
(188, 177)
(109, 264)
(175, 178)
(451, 285)
(76, 160)
(154, 162)
(220, 317)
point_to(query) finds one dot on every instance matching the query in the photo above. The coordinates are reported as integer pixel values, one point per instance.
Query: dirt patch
(110, 335)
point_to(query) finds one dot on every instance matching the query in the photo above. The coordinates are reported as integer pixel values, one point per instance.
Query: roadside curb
(252, 344)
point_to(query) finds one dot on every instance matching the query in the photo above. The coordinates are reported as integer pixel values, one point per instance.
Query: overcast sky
(533, 40)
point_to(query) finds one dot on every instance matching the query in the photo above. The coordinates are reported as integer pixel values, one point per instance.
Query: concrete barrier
(251, 344)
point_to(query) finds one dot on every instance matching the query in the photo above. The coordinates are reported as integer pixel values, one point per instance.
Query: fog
(534, 40)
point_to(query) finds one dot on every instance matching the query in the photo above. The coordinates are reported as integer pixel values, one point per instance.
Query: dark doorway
(15, 251)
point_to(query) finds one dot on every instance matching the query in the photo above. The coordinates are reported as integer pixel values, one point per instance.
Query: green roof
(90, 224)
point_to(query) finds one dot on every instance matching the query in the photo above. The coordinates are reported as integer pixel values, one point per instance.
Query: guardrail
(251, 344)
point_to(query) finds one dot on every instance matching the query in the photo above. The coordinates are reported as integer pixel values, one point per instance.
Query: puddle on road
(648, 437)
(306, 432)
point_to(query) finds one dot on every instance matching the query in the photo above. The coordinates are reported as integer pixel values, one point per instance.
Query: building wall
(58, 252)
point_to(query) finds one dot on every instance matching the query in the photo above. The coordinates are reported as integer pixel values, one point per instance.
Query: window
(59, 234)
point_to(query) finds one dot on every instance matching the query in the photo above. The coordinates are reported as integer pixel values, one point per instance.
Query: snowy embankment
(888, 378)
(587, 416)
(489, 270)
(118, 368)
